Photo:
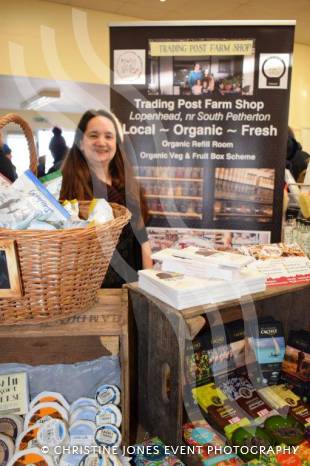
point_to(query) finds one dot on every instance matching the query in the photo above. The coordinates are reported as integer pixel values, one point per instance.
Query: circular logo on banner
(129, 66)
(273, 69)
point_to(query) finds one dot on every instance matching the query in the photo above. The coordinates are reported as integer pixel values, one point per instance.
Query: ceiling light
(162, 0)
(43, 97)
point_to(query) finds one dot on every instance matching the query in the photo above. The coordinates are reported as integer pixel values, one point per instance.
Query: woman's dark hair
(77, 178)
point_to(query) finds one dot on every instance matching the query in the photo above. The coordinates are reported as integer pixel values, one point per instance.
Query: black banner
(205, 111)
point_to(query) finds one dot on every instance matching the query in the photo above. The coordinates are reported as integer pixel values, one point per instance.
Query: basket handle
(14, 118)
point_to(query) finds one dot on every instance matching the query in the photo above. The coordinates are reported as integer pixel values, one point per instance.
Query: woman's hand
(147, 262)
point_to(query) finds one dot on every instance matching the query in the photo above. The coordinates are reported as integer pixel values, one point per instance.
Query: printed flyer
(205, 109)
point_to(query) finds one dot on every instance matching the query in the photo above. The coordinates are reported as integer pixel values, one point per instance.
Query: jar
(196, 173)
(187, 172)
(179, 173)
(288, 230)
(183, 207)
(163, 190)
(148, 171)
(193, 190)
(178, 191)
(199, 189)
(190, 208)
(170, 190)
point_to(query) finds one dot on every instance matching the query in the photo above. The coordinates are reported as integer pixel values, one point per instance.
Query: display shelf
(162, 332)
(227, 197)
(176, 214)
(165, 196)
(238, 183)
(155, 178)
(240, 214)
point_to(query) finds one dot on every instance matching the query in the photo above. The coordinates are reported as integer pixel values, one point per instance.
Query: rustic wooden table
(103, 329)
(161, 334)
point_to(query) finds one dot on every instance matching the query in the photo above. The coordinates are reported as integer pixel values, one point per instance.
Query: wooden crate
(101, 330)
(161, 333)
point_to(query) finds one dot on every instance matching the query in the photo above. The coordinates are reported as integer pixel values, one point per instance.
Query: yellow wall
(300, 92)
(31, 24)
(85, 57)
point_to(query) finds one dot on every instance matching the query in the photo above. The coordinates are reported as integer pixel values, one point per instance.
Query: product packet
(224, 414)
(236, 338)
(298, 409)
(72, 207)
(296, 364)
(264, 352)
(40, 198)
(286, 402)
(52, 182)
(201, 435)
(100, 211)
(154, 452)
(215, 352)
(208, 356)
(223, 460)
(241, 390)
(303, 451)
(15, 212)
(34, 211)
(282, 459)
(198, 367)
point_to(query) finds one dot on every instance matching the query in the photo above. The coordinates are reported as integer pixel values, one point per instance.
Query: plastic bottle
(303, 236)
(296, 231)
(288, 230)
(307, 238)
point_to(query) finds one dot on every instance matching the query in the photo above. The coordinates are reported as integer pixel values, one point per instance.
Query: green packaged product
(251, 437)
(285, 430)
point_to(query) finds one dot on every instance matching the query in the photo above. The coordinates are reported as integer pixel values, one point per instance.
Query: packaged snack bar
(296, 364)
(223, 413)
(201, 435)
(265, 348)
(241, 390)
(153, 452)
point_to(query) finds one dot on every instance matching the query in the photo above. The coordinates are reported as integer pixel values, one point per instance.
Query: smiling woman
(96, 167)
(99, 145)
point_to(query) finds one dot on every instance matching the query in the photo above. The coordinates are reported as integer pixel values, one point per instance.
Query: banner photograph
(205, 111)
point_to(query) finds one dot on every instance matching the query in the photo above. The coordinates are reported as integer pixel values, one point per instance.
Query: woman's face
(98, 143)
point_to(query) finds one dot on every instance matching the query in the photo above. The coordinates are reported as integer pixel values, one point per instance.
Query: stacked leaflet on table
(182, 291)
(250, 281)
(203, 262)
(194, 276)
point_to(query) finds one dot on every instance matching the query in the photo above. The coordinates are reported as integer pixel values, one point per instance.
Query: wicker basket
(61, 270)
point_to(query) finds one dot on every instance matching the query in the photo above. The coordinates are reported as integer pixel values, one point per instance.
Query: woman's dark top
(127, 257)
